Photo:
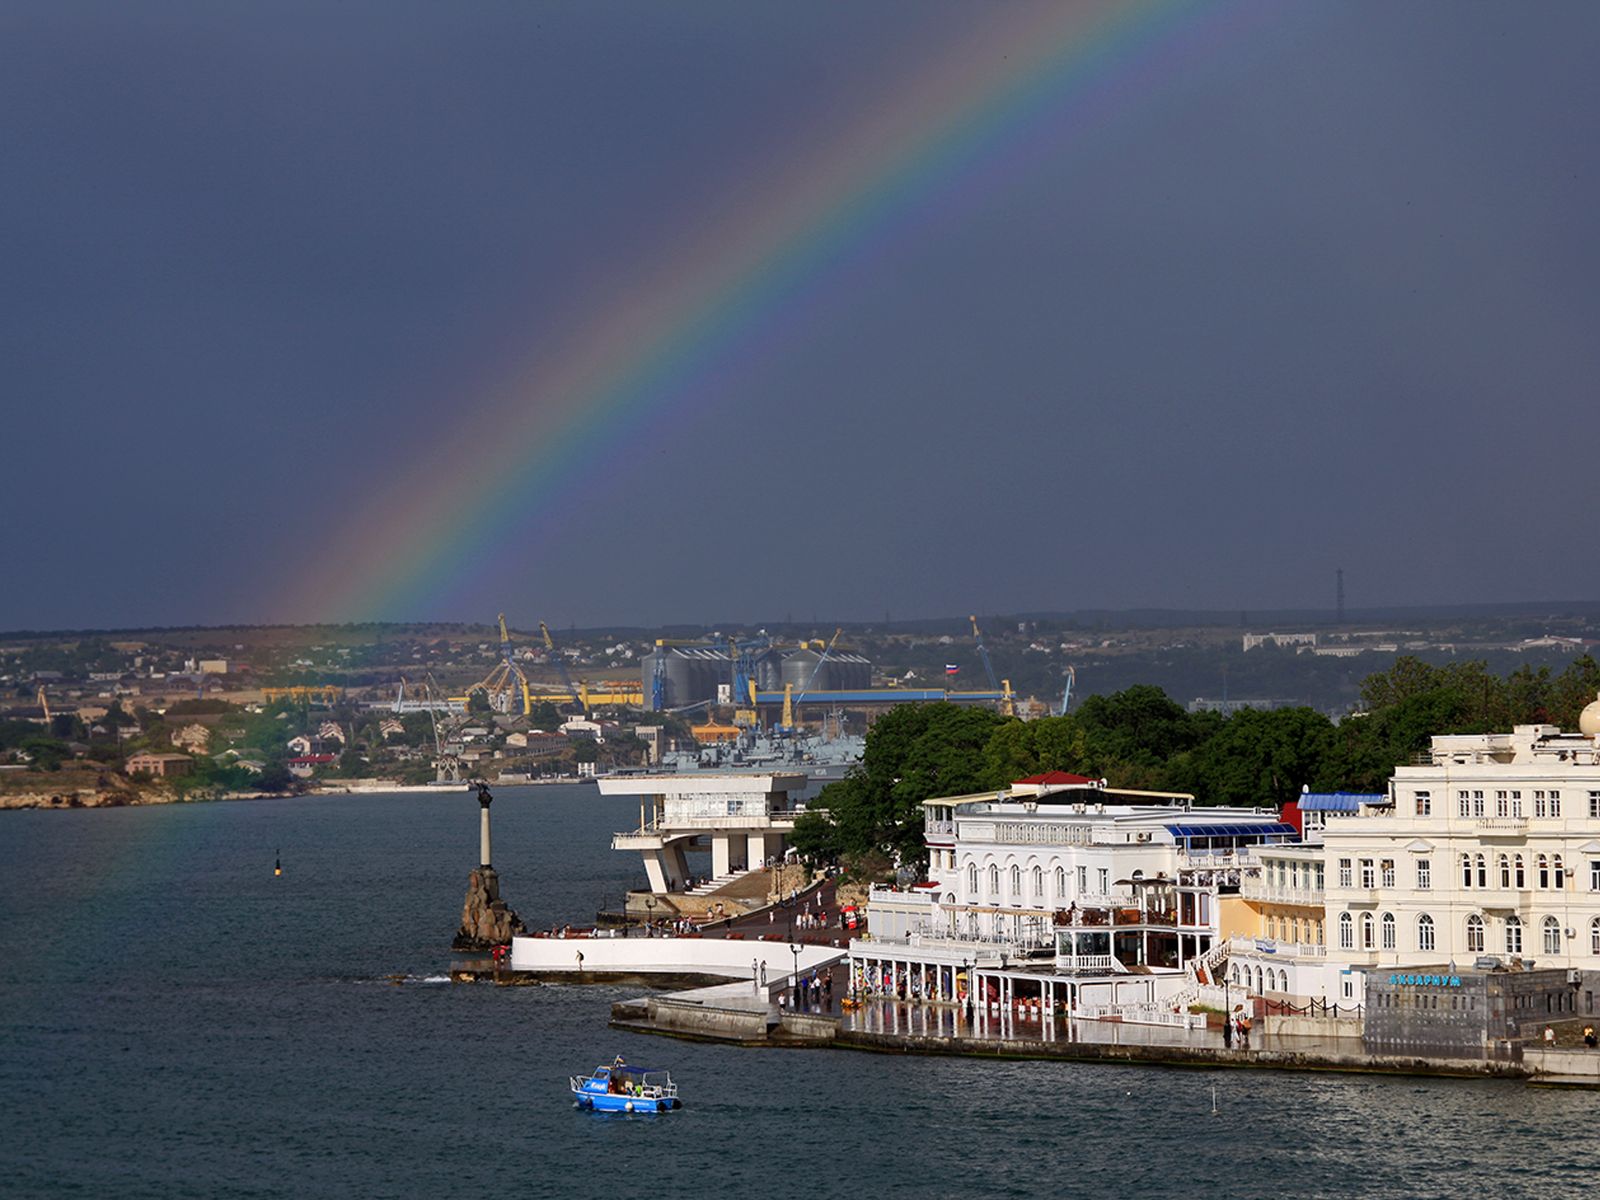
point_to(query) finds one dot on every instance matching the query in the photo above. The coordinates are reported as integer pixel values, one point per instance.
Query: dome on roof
(1589, 720)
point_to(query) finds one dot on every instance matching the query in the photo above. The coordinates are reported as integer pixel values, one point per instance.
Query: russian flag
(951, 669)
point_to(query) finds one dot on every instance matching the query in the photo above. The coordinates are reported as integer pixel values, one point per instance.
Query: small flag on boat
(951, 669)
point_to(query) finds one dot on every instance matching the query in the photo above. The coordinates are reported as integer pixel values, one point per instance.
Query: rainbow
(965, 121)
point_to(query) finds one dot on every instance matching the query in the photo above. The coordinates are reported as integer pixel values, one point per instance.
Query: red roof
(311, 760)
(1058, 779)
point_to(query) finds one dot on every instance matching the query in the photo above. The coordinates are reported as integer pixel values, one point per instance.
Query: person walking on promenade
(1588, 1036)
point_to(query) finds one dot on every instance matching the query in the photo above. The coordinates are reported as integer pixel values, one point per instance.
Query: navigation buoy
(277, 863)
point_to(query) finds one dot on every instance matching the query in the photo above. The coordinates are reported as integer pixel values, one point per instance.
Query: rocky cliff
(486, 921)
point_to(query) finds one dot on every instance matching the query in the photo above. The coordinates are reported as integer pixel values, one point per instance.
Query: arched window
(1594, 936)
(1505, 871)
(1061, 883)
(1424, 932)
(1560, 873)
(1260, 985)
(1542, 865)
(994, 880)
(1347, 932)
(1387, 925)
(1522, 877)
(1513, 935)
(1466, 870)
(1552, 935)
(1474, 934)
(972, 878)
(1038, 883)
(1016, 882)
(1483, 872)
(1366, 931)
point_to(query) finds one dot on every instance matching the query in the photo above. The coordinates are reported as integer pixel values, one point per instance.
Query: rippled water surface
(174, 1021)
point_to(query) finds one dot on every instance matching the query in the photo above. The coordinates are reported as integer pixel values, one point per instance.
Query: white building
(745, 819)
(1492, 848)
(1060, 892)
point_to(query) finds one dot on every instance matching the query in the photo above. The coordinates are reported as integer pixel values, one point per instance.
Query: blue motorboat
(625, 1088)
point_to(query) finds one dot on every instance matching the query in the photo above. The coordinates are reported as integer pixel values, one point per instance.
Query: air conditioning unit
(1574, 976)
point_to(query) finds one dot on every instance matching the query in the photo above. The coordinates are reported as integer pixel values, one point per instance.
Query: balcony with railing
(1501, 826)
(1273, 946)
(1262, 891)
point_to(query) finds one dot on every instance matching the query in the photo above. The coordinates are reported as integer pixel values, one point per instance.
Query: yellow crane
(498, 683)
(44, 703)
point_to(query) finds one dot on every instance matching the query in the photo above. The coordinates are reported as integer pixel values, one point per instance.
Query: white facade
(1055, 895)
(745, 819)
(1492, 848)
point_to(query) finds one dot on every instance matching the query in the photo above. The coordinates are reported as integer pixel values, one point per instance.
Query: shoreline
(1106, 1045)
(147, 796)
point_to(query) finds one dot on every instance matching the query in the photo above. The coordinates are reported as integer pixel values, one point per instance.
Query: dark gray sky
(1316, 287)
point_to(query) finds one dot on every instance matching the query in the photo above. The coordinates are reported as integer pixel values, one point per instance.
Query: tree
(913, 752)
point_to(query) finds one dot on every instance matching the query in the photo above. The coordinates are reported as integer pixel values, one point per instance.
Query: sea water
(177, 1021)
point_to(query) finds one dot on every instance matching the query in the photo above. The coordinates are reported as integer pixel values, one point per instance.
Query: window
(1513, 935)
(1368, 878)
(1424, 804)
(1038, 883)
(1547, 804)
(1560, 873)
(1502, 804)
(1477, 804)
(1061, 883)
(1463, 804)
(1105, 880)
(1294, 874)
(1516, 804)
(1594, 804)
(1474, 934)
(1386, 872)
(1424, 875)
(1594, 936)
(1344, 872)
(1505, 871)
(1424, 932)
(1466, 870)
(1555, 804)
(1083, 880)
(1552, 935)
(1522, 877)
(994, 880)
(972, 878)
(1594, 874)
(1387, 925)
(1272, 928)
(1483, 871)
(1366, 931)
(1317, 867)
(1016, 882)
(1542, 865)
(1347, 932)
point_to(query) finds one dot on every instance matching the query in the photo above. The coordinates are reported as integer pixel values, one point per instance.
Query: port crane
(1066, 696)
(579, 697)
(498, 683)
(1008, 702)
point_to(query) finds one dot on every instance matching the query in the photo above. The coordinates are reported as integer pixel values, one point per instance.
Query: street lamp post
(1227, 1012)
(650, 916)
(794, 979)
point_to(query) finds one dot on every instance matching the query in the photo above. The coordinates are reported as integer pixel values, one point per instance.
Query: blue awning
(1253, 829)
(1343, 802)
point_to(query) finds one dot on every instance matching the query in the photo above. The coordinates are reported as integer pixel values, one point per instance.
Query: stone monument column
(484, 800)
(486, 920)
